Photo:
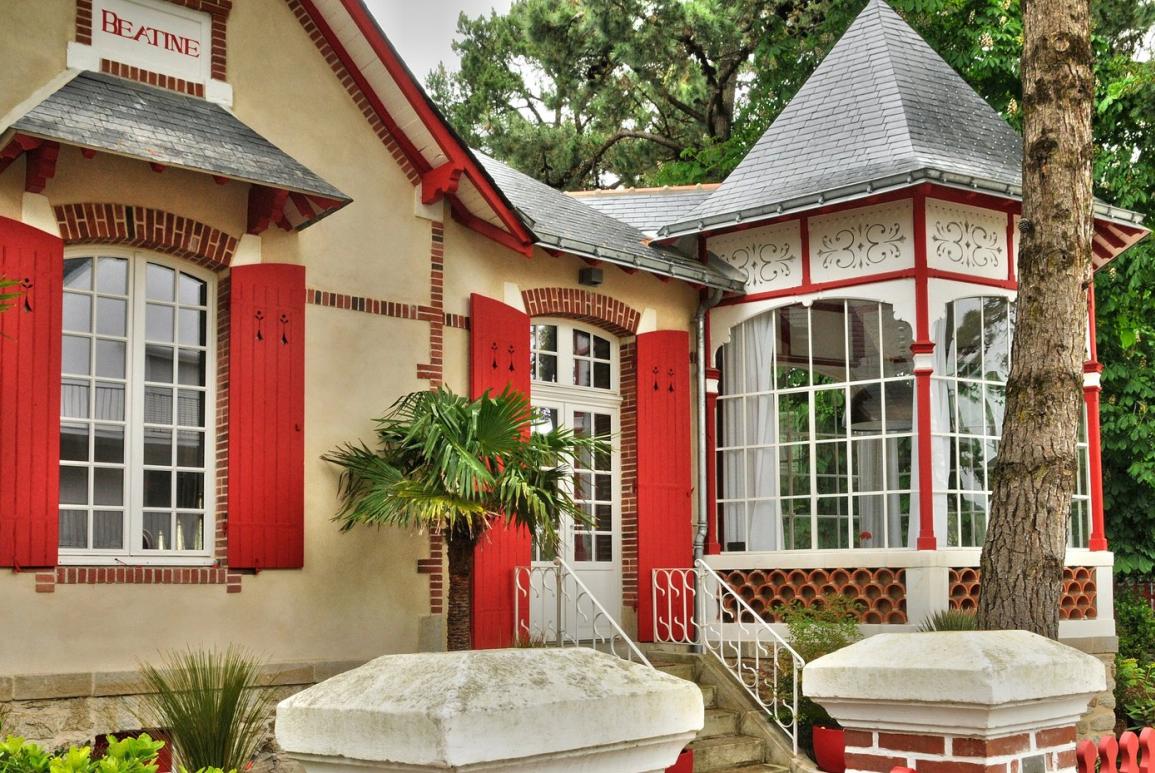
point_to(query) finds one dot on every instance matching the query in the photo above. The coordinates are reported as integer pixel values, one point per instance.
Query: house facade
(240, 231)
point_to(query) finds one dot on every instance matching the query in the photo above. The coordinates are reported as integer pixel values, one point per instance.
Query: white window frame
(566, 360)
(134, 419)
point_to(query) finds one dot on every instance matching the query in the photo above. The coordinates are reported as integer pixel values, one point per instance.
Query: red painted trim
(837, 284)
(1011, 244)
(440, 182)
(972, 198)
(1091, 334)
(921, 268)
(804, 231)
(923, 345)
(954, 276)
(713, 545)
(266, 207)
(40, 166)
(489, 230)
(1098, 539)
(453, 148)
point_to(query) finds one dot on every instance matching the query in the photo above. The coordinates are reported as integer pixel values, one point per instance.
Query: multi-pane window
(815, 429)
(135, 405)
(973, 361)
(571, 355)
(593, 490)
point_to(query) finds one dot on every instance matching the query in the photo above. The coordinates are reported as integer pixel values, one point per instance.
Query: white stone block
(518, 709)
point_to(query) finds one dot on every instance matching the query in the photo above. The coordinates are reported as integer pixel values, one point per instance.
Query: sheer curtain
(761, 462)
(941, 427)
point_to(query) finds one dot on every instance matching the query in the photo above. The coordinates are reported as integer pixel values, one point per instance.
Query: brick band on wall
(153, 229)
(584, 306)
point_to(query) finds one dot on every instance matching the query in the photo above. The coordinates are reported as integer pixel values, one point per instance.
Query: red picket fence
(1129, 753)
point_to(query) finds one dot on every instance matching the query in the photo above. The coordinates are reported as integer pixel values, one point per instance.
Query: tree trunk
(1034, 476)
(459, 603)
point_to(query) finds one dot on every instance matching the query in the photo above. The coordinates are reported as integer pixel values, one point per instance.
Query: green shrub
(1135, 626)
(128, 755)
(949, 620)
(1134, 692)
(212, 705)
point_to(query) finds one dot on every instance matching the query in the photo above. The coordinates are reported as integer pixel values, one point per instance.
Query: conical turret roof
(880, 107)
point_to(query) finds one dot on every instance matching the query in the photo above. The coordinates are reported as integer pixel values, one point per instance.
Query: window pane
(601, 348)
(157, 405)
(830, 467)
(581, 372)
(868, 464)
(75, 355)
(828, 342)
(190, 450)
(78, 273)
(158, 446)
(190, 531)
(157, 534)
(158, 363)
(544, 338)
(74, 442)
(157, 488)
(160, 282)
(78, 312)
(865, 343)
(110, 358)
(111, 316)
(602, 375)
(108, 486)
(605, 518)
(970, 410)
(190, 408)
(73, 485)
(112, 276)
(899, 405)
(896, 340)
(74, 398)
(545, 368)
(866, 410)
(605, 547)
(830, 413)
(583, 547)
(968, 337)
(73, 529)
(794, 470)
(190, 490)
(793, 416)
(996, 400)
(792, 342)
(192, 327)
(109, 445)
(193, 292)
(996, 339)
(109, 402)
(108, 530)
(191, 367)
(581, 343)
(158, 323)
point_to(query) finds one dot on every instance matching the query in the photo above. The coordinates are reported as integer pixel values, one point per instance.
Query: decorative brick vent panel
(151, 78)
(584, 306)
(153, 229)
(880, 593)
(1078, 602)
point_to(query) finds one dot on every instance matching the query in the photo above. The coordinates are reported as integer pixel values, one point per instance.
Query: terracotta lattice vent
(1078, 602)
(880, 593)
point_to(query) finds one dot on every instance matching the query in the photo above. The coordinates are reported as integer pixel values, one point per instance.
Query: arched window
(137, 399)
(972, 362)
(815, 429)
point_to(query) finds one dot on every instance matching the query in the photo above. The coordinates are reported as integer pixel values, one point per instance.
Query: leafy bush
(1134, 692)
(1135, 626)
(128, 755)
(949, 620)
(212, 705)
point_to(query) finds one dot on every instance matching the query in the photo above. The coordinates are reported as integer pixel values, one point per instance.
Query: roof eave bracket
(441, 181)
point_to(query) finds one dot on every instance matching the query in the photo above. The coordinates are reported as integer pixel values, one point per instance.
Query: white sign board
(154, 35)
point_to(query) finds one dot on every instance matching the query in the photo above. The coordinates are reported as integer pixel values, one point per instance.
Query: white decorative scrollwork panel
(966, 240)
(770, 257)
(867, 240)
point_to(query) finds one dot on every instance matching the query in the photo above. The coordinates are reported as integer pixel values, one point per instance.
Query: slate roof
(647, 209)
(881, 106)
(566, 223)
(131, 119)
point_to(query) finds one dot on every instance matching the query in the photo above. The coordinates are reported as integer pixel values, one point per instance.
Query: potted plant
(827, 624)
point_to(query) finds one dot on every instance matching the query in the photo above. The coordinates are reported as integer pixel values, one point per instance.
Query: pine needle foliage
(451, 465)
(211, 703)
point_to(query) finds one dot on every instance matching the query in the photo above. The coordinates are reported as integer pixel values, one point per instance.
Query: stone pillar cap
(982, 680)
(448, 710)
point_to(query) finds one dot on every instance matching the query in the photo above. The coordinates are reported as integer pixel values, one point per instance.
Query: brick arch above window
(153, 229)
(584, 306)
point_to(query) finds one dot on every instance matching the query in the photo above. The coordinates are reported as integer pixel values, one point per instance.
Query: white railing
(734, 633)
(554, 608)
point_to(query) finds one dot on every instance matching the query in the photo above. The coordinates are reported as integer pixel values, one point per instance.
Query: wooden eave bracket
(41, 166)
(266, 208)
(441, 181)
(489, 230)
(17, 146)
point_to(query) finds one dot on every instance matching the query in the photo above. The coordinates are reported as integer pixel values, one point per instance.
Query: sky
(422, 30)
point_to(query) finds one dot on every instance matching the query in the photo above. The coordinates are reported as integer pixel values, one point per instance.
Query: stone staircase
(735, 738)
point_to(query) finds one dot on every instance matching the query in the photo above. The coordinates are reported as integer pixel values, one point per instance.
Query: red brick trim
(627, 359)
(152, 79)
(382, 307)
(217, 9)
(154, 229)
(434, 567)
(582, 305)
(221, 552)
(354, 90)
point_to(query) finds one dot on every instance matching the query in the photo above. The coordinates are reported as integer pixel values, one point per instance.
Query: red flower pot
(829, 748)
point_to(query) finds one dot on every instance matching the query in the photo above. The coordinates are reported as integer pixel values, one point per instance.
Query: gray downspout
(708, 302)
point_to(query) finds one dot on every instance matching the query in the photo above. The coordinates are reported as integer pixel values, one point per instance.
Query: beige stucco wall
(359, 594)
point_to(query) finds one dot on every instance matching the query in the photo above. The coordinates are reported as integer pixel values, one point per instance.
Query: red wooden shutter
(499, 357)
(665, 527)
(30, 396)
(266, 517)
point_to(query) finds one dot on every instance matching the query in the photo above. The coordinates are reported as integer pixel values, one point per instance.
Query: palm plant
(454, 466)
(211, 704)
(6, 294)
(949, 620)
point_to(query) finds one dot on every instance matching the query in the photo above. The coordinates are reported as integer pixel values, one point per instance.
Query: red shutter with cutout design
(665, 526)
(498, 357)
(30, 395)
(266, 518)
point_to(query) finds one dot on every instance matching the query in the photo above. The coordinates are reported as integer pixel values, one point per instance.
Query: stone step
(725, 751)
(709, 695)
(719, 722)
(680, 670)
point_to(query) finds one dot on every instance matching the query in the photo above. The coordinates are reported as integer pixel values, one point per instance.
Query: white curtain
(941, 450)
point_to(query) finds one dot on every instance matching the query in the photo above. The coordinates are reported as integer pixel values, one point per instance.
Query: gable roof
(566, 223)
(647, 209)
(882, 109)
(131, 119)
